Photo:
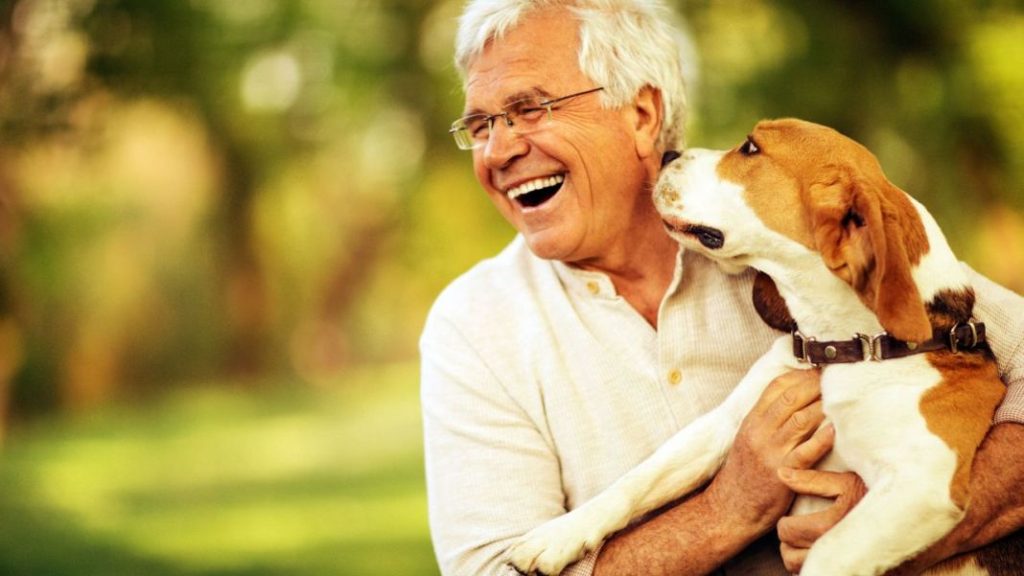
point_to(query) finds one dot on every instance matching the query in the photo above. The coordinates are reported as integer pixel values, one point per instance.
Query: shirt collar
(591, 283)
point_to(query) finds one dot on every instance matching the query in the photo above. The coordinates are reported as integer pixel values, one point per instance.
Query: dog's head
(792, 187)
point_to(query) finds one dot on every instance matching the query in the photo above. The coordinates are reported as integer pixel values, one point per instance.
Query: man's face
(584, 154)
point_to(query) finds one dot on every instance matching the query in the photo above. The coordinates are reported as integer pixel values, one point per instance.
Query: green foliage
(929, 86)
(213, 480)
(210, 187)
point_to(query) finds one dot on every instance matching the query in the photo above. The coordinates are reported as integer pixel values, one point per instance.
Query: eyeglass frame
(459, 124)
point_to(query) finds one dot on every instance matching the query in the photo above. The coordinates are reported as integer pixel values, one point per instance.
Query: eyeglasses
(523, 116)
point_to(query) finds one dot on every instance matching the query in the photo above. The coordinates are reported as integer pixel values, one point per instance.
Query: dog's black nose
(669, 156)
(708, 237)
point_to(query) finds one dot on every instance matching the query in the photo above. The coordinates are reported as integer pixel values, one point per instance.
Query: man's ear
(861, 228)
(649, 114)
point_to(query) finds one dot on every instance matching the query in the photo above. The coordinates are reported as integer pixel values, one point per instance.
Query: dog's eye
(669, 156)
(749, 148)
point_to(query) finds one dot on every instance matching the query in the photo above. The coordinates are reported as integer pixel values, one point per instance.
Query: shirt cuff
(1012, 408)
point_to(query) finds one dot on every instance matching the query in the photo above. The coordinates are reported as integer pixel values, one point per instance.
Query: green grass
(286, 480)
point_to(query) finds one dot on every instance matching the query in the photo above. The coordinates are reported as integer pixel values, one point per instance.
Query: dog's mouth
(711, 238)
(536, 192)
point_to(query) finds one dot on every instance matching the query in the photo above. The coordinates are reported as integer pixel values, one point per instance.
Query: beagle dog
(859, 276)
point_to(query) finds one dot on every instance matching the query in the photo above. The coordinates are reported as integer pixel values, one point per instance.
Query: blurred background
(222, 224)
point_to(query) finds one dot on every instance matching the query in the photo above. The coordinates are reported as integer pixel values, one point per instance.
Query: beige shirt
(541, 386)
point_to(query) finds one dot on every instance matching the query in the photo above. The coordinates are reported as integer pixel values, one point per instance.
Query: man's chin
(547, 245)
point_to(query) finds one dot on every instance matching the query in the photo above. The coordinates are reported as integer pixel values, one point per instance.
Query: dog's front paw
(552, 546)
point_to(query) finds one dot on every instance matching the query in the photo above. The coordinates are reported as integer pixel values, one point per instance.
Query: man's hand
(741, 503)
(798, 533)
(845, 489)
(748, 486)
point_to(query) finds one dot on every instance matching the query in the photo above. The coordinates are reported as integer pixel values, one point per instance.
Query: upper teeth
(532, 185)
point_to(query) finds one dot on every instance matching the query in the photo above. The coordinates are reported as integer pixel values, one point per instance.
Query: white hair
(625, 45)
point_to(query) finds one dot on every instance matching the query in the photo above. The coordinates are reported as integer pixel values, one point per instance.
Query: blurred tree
(184, 51)
(261, 80)
(70, 63)
(900, 76)
(309, 120)
(209, 187)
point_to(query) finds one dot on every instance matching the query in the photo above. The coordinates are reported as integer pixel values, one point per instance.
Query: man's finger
(815, 482)
(804, 530)
(793, 558)
(798, 390)
(804, 422)
(808, 453)
(783, 382)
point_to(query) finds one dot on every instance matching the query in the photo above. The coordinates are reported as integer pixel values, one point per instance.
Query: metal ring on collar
(954, 341)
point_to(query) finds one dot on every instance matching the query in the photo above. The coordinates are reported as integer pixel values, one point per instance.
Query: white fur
(939, 269)
(874, 406)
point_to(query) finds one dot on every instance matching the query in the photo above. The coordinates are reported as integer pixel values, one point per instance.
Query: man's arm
(742, 502)
(491, 475)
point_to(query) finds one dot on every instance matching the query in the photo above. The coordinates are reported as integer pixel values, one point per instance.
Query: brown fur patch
(961, 565)
(1004, 557)
(960, 409)
(951, 306)
(772, 186)
(827, 192)
(770, 305)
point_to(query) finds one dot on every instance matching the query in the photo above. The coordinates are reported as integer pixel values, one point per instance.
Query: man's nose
(504, 144)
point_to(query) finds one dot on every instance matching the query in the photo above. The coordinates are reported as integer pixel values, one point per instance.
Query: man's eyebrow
(535, 92)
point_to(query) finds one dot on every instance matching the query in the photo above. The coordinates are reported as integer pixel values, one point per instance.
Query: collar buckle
(955, 340)
(872, 346)
(801, 345)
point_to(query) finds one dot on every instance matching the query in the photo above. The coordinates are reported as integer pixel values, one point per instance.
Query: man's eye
(477, 127)
(749, 148)
(529, 109)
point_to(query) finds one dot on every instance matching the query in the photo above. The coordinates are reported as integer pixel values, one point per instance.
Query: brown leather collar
(861, 348)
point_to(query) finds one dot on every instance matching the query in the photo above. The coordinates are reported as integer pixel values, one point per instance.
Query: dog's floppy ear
(862, 227)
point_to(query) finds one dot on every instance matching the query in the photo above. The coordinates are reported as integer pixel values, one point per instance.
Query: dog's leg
(898, 517)
(678, 467)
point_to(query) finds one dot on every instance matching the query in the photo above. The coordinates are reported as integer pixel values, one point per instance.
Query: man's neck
(641, 273)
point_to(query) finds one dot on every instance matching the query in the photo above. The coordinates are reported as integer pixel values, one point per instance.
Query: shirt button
(675, 377)
(594, 287)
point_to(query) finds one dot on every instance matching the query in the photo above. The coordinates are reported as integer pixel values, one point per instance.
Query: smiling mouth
(536, 192)
(708, 237)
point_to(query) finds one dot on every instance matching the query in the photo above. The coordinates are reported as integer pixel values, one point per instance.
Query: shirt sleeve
(492, 473)
(1002, 311)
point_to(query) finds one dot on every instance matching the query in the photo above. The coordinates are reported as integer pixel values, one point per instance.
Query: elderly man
(553, 368)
